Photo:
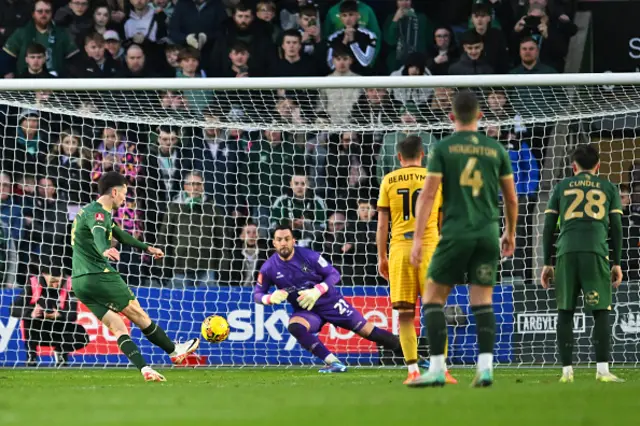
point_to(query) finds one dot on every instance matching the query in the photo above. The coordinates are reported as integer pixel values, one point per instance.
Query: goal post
(250, 142)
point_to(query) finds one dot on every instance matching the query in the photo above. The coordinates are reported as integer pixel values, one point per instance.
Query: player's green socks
(564, 332)
(158, 337)
(486, 327)
(131, 351)
(436, 327)
(601, 337)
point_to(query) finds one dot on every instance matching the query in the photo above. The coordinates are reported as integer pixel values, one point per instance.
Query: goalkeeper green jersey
(91, 235)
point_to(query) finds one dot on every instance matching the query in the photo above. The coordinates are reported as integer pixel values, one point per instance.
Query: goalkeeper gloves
(308, 298)
(275, 298)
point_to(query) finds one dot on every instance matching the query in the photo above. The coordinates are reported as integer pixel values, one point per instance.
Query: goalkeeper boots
(334, 367)
(151, 375)
(483, 379)
(608, 378)
(428, 379)
(183, 350)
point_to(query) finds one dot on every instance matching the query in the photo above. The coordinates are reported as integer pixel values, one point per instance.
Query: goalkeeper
(307, 281)
(97, 284)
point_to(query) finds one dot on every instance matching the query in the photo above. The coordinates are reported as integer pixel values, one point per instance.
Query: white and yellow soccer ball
(215, 329)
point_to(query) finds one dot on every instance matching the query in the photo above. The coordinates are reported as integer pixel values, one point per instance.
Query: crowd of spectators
(210, 194)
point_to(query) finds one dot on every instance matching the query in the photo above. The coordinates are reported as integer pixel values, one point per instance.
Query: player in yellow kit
(398, 194)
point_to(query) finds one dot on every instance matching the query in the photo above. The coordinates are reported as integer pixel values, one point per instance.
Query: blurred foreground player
(397, 191)
(49, 316)
(590, 210)
(99, 286)
(307, 281)
(472, 168)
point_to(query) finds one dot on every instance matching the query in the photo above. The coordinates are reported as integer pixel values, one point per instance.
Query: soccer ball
(215, 329)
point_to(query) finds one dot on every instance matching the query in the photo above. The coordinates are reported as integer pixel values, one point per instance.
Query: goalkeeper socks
(131, 351)
(408, 339)
(601, 337)
(486, 328)
(309, 341)
(384, 338)
(564, 335)
(158, 337)
(436, 328)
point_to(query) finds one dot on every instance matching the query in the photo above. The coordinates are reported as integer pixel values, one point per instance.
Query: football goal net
(214, 164)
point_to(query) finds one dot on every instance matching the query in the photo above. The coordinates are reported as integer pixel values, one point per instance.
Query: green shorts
(586, 272)
(477, 258)
(102, 293)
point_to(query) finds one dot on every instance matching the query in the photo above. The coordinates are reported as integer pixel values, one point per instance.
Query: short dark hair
(110, 180)
(465, 107)
(291, 32)
(470, 37)
(527, 39)
(283, 226)
(97, 38)
(410, 147)
(241, 7)
(480, 9)
(348, 6)
(188, 53)
(340, 51)
(239, 46)
(308, 9)
(586, 156)
(36, 49)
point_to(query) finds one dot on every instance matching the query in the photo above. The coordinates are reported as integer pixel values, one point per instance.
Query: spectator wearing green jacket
(367, 20)
(59, 44)
(406, 32)
(388, 158)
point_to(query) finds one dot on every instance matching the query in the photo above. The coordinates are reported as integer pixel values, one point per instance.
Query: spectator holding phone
(553, 45)
(443, 52)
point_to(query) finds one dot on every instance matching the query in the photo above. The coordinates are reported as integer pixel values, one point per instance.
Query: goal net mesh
(210, 172)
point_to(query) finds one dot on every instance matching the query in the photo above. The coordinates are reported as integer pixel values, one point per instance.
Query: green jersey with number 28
(584, 202)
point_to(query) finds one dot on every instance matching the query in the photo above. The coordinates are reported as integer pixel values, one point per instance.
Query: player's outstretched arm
(508, 187)
(261, 291)
(128, 239)
(382, 237)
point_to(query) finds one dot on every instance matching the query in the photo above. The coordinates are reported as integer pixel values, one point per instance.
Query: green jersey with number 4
(584, 202)
(471, 165)
(87, 245)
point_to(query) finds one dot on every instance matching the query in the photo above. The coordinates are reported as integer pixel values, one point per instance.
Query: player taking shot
(307, 281)
(472, 168)
(97, 284)
(398, 193)
(590, 210)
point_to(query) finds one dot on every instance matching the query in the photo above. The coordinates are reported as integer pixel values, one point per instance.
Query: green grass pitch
(302, 397)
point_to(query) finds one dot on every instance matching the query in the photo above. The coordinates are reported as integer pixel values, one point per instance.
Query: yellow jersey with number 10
(399, 192)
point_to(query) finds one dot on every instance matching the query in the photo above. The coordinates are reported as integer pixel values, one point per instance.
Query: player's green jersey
(87, 244)
(584, 203)
(471, 165)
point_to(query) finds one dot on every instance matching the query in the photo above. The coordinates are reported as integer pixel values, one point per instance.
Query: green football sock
(601, 337)
(485, 327)
(131, 351)
(564, 335)
(158, 337)
(436, 327)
